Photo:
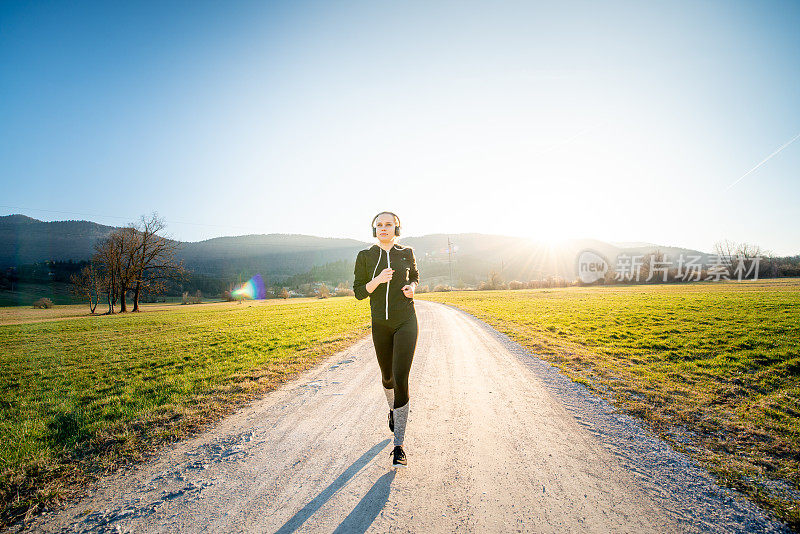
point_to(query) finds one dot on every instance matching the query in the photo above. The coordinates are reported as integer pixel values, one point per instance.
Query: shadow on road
(367, 508)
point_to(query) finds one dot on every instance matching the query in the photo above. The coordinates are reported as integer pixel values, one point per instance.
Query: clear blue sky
(621, 122)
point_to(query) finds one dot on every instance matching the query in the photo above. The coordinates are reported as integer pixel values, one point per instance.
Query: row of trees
(134, 259)
(495, 281)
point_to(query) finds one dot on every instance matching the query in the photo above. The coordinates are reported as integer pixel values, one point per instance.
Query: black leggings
(394, 346)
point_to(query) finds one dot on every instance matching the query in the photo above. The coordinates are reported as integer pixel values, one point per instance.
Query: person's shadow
(367, 509)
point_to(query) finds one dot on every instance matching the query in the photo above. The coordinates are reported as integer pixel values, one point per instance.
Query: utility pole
(450, 259)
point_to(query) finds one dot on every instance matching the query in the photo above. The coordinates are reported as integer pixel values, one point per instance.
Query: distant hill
(27, 240)
(631, 244)
(24, 240)
(280, 255)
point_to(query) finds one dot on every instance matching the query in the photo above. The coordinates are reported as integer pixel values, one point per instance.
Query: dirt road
(497, 441)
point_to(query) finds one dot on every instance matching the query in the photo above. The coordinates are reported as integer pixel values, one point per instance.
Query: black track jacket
(369, 263)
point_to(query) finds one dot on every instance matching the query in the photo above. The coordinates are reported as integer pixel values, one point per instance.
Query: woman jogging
(394, 319)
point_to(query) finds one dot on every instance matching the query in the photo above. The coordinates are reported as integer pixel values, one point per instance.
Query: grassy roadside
(10, 315)
(83, 396)
(713, 368)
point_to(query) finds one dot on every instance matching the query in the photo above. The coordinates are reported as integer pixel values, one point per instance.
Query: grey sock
(400, 418)
(389, 397)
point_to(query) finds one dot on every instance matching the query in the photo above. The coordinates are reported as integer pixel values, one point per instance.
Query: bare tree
(495, 281)
(740, 255)
(725, 248)
(323, 292)
(117, 253)
(129, 242)
(107, 255)
(154, 258)
(89, 283)
(137, 258)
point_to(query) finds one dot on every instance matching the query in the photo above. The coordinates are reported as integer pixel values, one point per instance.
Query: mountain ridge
(25, 240)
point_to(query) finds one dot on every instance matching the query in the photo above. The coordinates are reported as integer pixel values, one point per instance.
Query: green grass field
(82, 395)
(26, 293)
(714, 368)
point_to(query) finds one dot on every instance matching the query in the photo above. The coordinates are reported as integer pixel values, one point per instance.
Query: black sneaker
(391, 420)
(399, 459)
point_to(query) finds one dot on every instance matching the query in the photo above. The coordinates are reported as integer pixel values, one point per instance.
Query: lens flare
(252, 289)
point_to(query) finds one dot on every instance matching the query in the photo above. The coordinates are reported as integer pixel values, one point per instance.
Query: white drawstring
(388, 263)
(379, 261)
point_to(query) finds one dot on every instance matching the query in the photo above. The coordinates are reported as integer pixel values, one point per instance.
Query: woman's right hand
(384, 276)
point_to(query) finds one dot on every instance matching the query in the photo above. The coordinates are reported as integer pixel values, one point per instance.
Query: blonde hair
(395, 217)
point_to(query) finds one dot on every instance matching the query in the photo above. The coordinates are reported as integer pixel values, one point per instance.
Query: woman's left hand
(408, 290)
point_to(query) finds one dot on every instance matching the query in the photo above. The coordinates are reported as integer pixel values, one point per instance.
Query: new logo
(591, 266)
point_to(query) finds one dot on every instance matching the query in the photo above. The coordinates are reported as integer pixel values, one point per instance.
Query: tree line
(134, 259)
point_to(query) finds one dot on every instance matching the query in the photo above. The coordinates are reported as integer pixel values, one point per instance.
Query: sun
(552, 239)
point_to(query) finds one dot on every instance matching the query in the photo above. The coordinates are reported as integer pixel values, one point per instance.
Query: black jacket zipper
(405, 273)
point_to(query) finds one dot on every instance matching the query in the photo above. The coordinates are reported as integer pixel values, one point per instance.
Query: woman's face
(384, 226)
